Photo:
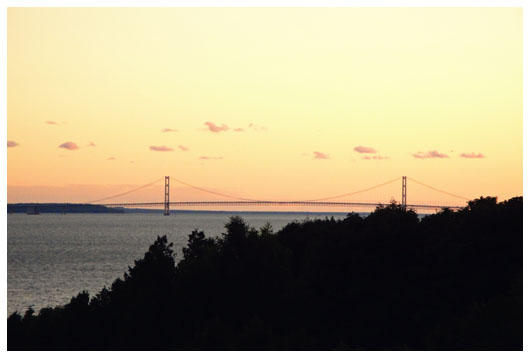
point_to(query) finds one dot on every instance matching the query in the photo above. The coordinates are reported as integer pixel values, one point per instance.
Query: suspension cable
(125, 193)
(256, 200)
(356, 192)
(319, 199)
(212, 192)
(439, 190)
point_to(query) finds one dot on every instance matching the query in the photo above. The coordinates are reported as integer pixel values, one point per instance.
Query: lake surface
(51, 257)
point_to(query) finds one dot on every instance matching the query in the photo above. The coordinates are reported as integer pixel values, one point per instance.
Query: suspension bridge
(356, 199)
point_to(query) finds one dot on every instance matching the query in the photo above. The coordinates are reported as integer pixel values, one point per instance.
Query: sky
(263, 103)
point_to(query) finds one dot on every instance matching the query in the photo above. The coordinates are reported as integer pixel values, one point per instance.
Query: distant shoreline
(58, 208)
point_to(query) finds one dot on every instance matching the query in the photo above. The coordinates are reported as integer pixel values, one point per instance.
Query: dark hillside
(452, 281)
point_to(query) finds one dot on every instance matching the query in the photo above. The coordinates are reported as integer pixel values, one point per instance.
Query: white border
(264, 3)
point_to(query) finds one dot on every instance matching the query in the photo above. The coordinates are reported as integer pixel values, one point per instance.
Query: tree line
(389, 281)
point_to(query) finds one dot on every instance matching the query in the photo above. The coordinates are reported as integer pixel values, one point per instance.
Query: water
(51, 258)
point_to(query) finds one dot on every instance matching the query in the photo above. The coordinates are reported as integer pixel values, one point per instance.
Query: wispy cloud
(472, 155)
(212, 127)
(320, 155)
(429, 155)
(160, 148)
(111, 158)
(239, 129)
(52, 123)
(363, 149)
(257, 127)
(11, 143)
(167, 130)
(91, 144)
(183, 147)
(375, 157)
(209, 158)
(69, 146)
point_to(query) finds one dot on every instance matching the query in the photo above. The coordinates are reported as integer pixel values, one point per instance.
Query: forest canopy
(390, 281)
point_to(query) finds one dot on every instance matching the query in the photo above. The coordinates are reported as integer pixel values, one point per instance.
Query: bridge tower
(166, 196)
(404, 192)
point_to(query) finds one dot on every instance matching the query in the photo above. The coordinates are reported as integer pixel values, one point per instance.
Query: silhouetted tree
(390, 281)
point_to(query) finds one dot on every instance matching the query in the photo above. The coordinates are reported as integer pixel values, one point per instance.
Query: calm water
(52, 257)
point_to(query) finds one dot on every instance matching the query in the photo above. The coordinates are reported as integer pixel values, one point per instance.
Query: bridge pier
(166, 196)
(404, 192)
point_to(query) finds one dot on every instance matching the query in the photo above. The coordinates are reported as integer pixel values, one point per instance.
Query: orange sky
(267, 103)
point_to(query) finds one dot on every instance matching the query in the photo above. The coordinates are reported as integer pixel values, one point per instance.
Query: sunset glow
(268, 103)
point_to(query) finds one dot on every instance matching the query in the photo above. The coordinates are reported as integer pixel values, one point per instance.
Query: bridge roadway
(275, 203)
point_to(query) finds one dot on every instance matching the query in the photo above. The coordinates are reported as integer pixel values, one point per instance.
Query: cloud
(166, 130)
(52, 123)
(210, 158)
(319, 155)
(69, 146)
(160, 148)
(91, 144)
(375, 157)
(111, 158)
(212, 127)
(239, 129)
(472, 155)
(184, 148)
(11, 143)
(362, 149)
(430, 154)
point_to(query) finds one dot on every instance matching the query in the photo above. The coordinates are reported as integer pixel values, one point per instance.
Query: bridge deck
(275, 203)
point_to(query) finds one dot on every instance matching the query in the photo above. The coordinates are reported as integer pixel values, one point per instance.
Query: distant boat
(33, 210)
